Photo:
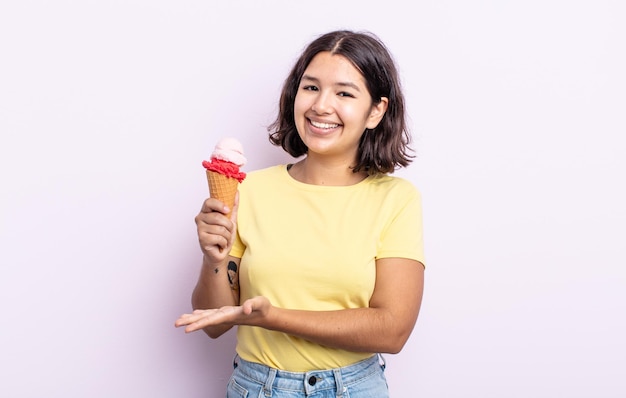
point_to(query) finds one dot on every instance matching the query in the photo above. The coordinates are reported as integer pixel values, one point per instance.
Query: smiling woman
(381, 149)
(328, 251)
(332, 110)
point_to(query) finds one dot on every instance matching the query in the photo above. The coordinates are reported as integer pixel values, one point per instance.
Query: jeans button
(312, 380)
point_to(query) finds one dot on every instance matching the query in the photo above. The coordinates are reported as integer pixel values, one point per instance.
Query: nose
(322, 104)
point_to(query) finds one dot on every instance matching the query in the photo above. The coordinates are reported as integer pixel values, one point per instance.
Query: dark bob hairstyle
(382, 149)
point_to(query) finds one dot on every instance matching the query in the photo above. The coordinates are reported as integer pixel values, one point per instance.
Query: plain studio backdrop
(107, 108)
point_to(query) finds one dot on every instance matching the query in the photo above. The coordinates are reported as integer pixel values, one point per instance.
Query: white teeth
(324, 125)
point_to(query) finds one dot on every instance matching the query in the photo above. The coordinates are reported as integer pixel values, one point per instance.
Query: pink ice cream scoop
(227, 158)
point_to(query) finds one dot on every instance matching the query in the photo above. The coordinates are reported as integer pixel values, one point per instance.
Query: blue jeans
(364, 379)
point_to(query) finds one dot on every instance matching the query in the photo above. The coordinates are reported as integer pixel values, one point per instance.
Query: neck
(310, 171)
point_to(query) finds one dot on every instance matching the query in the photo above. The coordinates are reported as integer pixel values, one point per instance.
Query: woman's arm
(218, 283)
(384, 326)
(217, 287)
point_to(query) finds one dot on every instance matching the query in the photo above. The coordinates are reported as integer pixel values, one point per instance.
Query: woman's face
(333, 107)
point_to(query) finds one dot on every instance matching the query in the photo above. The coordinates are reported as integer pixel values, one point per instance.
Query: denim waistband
(311, 381)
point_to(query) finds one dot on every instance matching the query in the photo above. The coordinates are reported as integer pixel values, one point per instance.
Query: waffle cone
(222, 188)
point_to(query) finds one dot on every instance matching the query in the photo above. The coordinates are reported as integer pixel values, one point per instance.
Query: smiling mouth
(325, 126)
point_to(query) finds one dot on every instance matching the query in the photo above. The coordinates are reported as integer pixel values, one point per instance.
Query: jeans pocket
(373, 385)
(234, 390)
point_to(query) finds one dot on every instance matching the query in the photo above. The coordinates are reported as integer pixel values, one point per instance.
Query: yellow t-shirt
(313, 247)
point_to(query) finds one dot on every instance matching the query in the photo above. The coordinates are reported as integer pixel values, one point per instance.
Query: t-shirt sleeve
(403, 235)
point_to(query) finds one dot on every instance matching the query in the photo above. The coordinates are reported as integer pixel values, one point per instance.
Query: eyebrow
(341, 84)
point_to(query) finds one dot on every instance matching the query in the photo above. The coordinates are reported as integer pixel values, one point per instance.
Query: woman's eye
(309, 88)
(345, 94)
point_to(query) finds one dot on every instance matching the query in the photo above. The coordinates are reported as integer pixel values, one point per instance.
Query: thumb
(235, 210)
(248, 306)
(259, 304)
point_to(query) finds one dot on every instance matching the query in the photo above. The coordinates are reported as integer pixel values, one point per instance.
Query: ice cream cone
(222, 188)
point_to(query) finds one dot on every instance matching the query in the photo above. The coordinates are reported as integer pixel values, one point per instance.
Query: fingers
(214, 236)
(213, 213)
(188, 319)
(215, 230)
(252, 312)
(200, 319)
(211, 204)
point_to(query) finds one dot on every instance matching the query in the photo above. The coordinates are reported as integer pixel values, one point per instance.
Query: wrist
(224, 270)
(207, 262)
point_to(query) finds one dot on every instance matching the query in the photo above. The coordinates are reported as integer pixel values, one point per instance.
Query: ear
(377, 113)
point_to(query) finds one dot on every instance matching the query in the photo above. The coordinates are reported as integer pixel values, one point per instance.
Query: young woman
(321, 263)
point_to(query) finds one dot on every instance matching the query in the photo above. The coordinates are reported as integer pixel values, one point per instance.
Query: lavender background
(108, 108)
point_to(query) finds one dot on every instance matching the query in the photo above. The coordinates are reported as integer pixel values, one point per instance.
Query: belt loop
(235, 361)
(267, 387)
(382, 362)
(339, 383)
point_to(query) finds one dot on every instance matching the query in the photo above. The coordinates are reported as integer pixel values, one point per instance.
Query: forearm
(360, 329)
(215, 289)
